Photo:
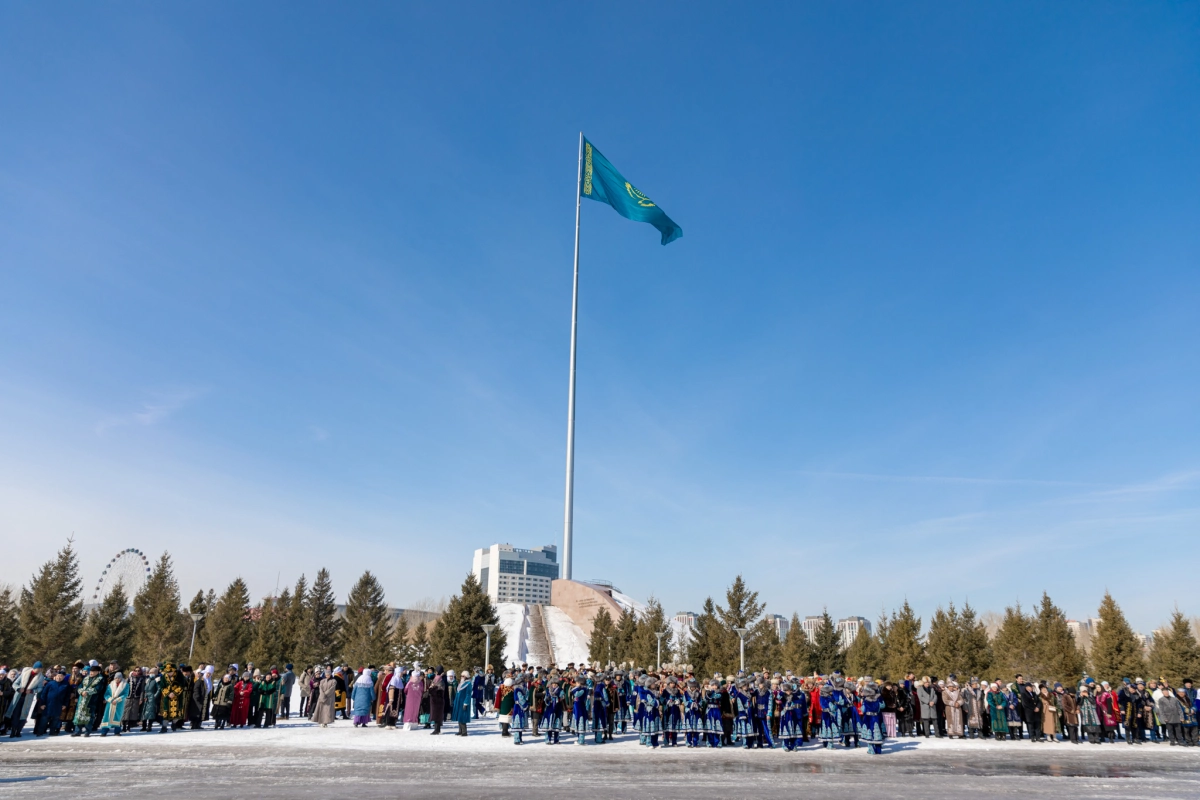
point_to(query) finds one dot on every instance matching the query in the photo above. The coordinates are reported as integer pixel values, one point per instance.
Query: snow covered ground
(514, 621)
(298, 759)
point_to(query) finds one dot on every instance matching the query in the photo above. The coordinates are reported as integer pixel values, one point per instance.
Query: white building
(780, 624)
(511, 575)
(686, 618)
(811, 625)
(848, 629)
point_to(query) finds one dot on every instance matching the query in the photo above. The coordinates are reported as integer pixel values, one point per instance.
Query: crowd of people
(668, 707)
(82, 699)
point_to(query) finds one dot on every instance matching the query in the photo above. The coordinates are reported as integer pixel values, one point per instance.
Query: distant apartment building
(686, 618)
(780, 624)
(512, 575)
(810, 626)
(848, 629)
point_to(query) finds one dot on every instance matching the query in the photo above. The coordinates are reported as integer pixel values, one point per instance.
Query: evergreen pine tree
(942, 646)
(1057, 655)
(599, 646)
(705, 652)
(902, 649)
(323, 621)
(645, 642)
(420, 644)
(458, 638)
(743, 610)
(1013, 648)
(266, 646)
(284, 608)
(864, 656)
(10, 627)
(366, 625)
(627, 627)
(300, 627)
(827, 649)
(1174, 654)
(1116, 652)
(161, 631)
(402, 650)
(228, 632)
(108, 632)
(51, 611)
(974, 646)
(798, 654)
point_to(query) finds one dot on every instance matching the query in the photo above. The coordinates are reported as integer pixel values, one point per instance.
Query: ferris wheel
(129, 568)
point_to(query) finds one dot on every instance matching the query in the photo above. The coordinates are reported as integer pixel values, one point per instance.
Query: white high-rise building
(511, 575)
(811, 625)
(781, 625)
(848, 629)
(686, 618)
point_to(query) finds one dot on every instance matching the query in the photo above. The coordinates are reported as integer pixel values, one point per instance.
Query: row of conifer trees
(46, 621)
(1037, 644)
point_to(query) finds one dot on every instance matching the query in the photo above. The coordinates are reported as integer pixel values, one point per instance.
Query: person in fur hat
(870, 717)
(552, 713)
(743, 710)
(579, 698)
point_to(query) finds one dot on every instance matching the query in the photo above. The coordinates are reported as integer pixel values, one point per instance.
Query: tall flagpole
(570, 501)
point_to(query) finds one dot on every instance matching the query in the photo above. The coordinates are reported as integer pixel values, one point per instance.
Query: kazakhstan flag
(602, 182)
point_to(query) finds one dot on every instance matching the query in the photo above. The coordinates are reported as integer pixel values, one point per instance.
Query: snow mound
(566, 638)
(514, 621)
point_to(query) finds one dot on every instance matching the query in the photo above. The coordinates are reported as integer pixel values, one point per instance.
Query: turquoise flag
(602, 182)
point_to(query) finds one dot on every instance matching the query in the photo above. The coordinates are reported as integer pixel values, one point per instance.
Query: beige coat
(326, 699)
(954, 713)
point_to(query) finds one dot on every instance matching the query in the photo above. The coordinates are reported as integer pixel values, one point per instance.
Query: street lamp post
(487, 648)
(660, 635)
(741, 632)
(609, 638)
(195, 621)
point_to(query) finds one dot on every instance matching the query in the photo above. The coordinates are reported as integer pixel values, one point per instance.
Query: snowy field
(301, 760)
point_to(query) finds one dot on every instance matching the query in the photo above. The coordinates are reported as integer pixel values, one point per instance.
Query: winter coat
(1070, 708)
(464, 702)
(362, 700)
(325, 702)
(1170, 711)
(927, 695)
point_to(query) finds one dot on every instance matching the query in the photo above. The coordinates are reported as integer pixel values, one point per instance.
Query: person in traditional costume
(436, 692)
(673, 706)
(464, 702)
(26, 687)
(1189, 729)
(134, 699)
(552, 712)
(305, 681)
(151, 698)
(478, 688)
(762, 712)
(511, 702)
(997, 706)
(395, 698)
(175, 697)
(651, 712)
(1031, 710)
(362, 698)
(381, 695)
(831, 702)
(243, 693)
(114, 705)
(89, 687)
(870, 717)
(974, 709)
(341, 703)
(743, 710)
(268, 698)
(286, 681)
(953, 700)
(224, 692)
(6, 696)
(693, 713)
(325, 700)
(197, 698)
(597, 687)
(791, 715)
(414, 692)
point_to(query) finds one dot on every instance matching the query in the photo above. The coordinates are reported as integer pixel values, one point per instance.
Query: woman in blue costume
(672, 713)
(791, 716)
(761, 714)
(580, 695)
(552, 713)
(870, 717)
(714, 727)
(651, 712)
(743, 724)
(520, 707)
(833, 702)
(693, 713)
(600, 708)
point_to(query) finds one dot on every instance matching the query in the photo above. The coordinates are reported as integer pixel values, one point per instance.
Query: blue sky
(285, 286)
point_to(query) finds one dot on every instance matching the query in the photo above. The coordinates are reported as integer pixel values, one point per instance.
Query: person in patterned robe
(714, 724)
(693, 713)
(91, 685)
(174, 700)
(792, 710)
(743, 710)
(552, 714)
(870, 717)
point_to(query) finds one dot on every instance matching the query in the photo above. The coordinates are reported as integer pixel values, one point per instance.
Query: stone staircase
(539, 648)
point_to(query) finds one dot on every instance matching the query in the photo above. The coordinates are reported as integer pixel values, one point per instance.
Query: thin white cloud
(871, 476)
(151, 413)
